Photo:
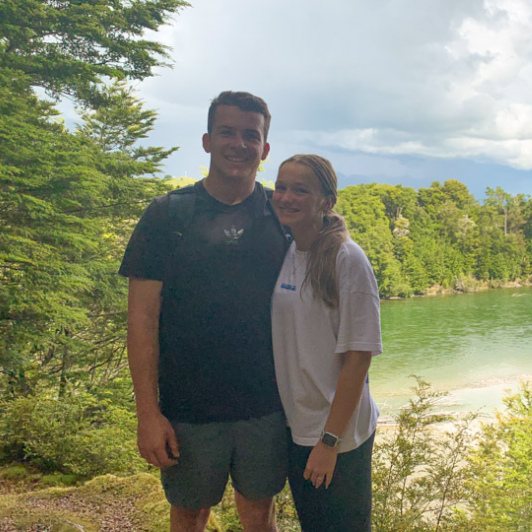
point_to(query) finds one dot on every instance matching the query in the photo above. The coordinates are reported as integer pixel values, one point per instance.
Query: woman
(326, 328)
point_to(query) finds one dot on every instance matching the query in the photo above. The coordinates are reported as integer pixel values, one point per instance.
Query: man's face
(236, 143)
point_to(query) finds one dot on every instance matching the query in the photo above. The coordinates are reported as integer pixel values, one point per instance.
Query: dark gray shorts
(253, 452)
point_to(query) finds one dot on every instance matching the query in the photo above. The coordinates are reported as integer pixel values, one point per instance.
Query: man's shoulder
(178, 203)
(189, 189)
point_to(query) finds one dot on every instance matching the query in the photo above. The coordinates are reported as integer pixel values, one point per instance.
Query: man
(199, 339)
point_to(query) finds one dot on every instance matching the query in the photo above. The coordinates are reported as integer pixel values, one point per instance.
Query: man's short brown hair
(245, 102)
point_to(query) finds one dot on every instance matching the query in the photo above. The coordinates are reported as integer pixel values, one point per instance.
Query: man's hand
(320, 465)
(157, 440)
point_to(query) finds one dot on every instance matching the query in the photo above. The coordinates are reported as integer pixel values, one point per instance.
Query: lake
(475, 346)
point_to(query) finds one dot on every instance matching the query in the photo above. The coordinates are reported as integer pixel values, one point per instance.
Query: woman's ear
(327, 204)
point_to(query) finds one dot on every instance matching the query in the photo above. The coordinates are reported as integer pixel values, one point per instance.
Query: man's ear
(265, 151)
(206, 141)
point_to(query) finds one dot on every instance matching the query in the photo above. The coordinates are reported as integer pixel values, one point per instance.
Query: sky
(391, 91)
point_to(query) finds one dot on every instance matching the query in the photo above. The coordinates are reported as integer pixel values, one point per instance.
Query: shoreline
(468, 285)
(484, 399)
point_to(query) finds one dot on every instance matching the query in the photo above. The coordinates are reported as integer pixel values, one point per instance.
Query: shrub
(500, 483)
(419, 469)
(75, 435)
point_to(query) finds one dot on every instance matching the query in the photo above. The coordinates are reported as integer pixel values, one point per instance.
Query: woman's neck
(304, 238)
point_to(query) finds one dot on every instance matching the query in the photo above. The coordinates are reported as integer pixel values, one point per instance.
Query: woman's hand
(320, 465)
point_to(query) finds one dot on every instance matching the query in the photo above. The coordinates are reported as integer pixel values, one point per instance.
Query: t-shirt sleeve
(359, 310)
(147, 251)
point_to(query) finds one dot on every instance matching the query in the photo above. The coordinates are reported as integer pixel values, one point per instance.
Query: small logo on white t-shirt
(288, 286)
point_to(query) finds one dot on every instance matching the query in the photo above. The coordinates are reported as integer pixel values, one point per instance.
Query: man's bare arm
(155, 434)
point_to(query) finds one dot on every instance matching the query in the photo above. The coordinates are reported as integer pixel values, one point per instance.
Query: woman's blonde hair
(321, 267)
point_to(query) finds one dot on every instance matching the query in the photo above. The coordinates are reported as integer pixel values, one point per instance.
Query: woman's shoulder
(351, 251)
(352, 261)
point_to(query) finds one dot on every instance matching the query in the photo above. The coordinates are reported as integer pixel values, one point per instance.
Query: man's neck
(228, 192)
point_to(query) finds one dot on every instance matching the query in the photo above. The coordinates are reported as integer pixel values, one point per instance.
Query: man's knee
(185, 520)
(256, 516)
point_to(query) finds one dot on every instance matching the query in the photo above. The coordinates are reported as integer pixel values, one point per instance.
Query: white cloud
(442, 79)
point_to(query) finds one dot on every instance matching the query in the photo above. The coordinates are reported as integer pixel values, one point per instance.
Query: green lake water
(475, 346)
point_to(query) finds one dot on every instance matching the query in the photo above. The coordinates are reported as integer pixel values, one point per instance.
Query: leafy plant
(419, 469)
(76, 435)
(500, 480)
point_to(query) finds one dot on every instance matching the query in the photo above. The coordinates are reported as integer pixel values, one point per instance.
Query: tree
(44, 175)
(500, 489)
(66, 206)
(510, 207)
(112, 132)
(366, 220)
(68, 46)
(458, 193)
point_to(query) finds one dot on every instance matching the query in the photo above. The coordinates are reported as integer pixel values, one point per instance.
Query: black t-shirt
(216, 361)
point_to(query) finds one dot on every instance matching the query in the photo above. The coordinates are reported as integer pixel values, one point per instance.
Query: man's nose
(239, 141)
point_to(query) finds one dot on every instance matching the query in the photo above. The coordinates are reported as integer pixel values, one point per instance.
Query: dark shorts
(346, 504)
(253, 452)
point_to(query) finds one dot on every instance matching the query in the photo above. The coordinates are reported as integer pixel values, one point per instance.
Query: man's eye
(301, 191)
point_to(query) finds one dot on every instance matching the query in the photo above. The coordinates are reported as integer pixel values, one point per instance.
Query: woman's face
(298, 198)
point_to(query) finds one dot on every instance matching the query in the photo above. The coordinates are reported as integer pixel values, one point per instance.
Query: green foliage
(77, 435)
(500, 484)
(440, 236)
(67, 208)
(69, 46)
(419, 469)
(430, 472)
(14, 473)
(58, 479)
(366, 220)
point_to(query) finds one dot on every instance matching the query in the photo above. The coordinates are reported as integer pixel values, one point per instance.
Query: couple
(210, 401)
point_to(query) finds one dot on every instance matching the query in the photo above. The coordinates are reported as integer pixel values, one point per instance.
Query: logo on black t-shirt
(233, 235)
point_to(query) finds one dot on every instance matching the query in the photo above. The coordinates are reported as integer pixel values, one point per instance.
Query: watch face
(329, 440)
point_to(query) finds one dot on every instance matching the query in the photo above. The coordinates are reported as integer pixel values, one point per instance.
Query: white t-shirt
(309, 341)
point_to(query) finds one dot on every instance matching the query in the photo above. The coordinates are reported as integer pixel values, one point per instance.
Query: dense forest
(70, 198)
(440, 236)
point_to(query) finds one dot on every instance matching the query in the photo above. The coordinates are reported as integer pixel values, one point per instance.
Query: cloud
(442, 79)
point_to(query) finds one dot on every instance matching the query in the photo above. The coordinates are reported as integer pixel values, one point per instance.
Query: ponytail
(321, 268)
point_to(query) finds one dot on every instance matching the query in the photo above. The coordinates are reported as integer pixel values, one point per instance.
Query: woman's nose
(285, 196)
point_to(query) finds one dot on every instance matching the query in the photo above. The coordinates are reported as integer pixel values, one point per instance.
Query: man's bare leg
(256, 516)
(184, 520)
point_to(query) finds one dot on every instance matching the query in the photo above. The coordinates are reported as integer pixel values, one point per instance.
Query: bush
(419, 469)
(500, 483)
(76, 435)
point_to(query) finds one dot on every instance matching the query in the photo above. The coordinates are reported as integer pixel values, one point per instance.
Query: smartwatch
(329, 439)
